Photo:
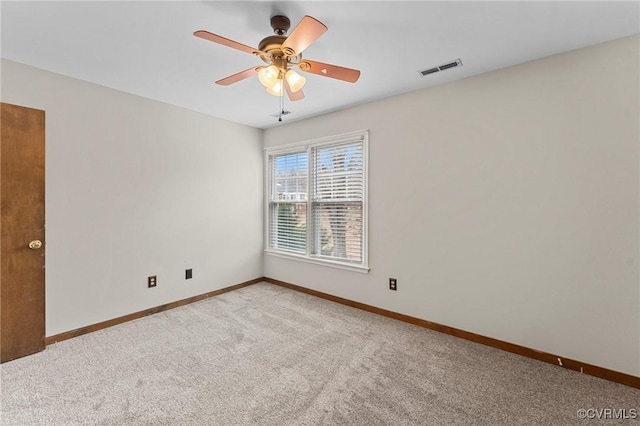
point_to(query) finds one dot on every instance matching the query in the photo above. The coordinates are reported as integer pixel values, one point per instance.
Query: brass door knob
(35, 244)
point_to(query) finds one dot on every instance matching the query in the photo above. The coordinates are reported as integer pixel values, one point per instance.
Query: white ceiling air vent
(450, 64)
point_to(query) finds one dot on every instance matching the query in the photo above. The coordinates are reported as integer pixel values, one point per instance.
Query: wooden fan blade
(293, 96)
(306, 32)
(328, 70)
(226, 42)
(238, 76)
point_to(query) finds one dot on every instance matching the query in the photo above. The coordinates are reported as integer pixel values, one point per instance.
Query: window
(316, 201)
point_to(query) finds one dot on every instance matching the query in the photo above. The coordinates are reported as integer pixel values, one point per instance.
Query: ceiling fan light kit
(282, 53)
(272, 78)
(268, 75)
(276, 88)
(295, 80)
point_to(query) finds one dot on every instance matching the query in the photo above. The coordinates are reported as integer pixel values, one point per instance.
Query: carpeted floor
(267, 355)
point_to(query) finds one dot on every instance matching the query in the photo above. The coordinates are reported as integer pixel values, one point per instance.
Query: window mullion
(311, 222)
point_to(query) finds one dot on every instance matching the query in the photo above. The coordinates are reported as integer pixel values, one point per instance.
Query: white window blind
(316, 204)
(288, 202)
(336, 201)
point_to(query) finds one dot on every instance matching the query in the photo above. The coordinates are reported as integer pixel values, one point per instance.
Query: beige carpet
(266, 355)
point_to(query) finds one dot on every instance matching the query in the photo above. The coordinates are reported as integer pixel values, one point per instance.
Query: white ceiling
(147, 47)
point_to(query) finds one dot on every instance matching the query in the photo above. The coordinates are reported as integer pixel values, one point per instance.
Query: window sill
(321, 262)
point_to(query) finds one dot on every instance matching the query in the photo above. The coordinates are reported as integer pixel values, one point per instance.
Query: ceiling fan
(282, 53)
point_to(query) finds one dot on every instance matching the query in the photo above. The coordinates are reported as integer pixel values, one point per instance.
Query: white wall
(505, 205)
(135, 188)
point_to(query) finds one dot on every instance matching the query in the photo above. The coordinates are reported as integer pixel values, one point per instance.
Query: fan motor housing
(271, 43)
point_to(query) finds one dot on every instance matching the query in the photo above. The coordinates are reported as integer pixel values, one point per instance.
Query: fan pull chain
(281, 102)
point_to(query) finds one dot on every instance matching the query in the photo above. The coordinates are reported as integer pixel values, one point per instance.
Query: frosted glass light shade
(268, 75)
(276, 88)
(295, 80)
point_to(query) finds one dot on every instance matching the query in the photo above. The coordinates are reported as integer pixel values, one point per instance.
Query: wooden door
(22, 296)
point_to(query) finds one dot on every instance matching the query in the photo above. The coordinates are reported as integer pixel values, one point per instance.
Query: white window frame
(363, 135)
